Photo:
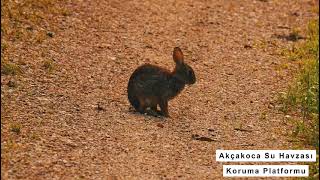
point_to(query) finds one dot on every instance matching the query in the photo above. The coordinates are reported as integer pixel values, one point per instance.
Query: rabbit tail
(133, 101)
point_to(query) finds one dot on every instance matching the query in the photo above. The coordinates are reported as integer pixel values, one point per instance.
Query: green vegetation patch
(302, 97)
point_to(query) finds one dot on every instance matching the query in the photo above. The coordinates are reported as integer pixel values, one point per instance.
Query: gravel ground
(76, 121)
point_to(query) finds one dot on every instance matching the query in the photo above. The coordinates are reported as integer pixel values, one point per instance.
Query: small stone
(100, 108)
(247, 46)
(295, 14)
(29, 28)
(50, 34)
(160, 125)
(12, 83)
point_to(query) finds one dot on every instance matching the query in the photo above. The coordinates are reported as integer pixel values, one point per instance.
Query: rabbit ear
(177, 55)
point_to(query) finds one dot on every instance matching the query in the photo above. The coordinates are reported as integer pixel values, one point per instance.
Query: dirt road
(76, 120)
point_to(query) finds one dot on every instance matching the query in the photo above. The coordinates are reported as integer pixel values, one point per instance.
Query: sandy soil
(76, 121)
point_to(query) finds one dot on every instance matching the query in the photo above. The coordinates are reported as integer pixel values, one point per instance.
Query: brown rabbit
(151, 85)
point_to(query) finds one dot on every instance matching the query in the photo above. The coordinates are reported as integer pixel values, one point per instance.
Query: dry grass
(16, 128)
(8, 68)
(48, 65)
(26, 22)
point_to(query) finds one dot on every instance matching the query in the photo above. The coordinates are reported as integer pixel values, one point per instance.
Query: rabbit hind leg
(153, 111)
(152, 103)
(142, 105)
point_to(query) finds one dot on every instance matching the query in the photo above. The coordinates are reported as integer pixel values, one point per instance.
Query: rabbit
(150, 85)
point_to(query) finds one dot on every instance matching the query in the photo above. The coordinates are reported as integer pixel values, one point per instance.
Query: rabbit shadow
(149, 113)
